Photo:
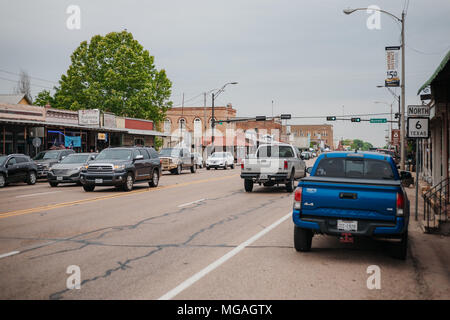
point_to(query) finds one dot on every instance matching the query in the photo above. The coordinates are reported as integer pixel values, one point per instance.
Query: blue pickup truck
(352, 194)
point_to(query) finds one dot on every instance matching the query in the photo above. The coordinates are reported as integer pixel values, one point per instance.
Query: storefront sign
(102, 136)
(109, 120)
(395, 134)
(72, 142)
(89, 117)
(392, 77)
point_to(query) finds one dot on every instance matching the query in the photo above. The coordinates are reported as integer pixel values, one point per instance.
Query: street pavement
(196, 236)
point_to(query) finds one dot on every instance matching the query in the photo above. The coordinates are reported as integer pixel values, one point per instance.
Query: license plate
(263, 177)
(98, 180)
(347, 225)
(59, 178)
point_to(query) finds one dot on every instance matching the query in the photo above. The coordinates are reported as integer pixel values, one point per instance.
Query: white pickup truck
(273, 164)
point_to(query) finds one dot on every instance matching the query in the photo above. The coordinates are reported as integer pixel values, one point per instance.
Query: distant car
(17, 168)
(68, 169)
(220, 160)
(45, 159)
(198, 160)
(314, 154)
(391, 153)
(306, 155)
(122, 167)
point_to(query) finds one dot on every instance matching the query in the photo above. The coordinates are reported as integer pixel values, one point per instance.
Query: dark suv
(45, 159)
(17, 168)
(122, 167)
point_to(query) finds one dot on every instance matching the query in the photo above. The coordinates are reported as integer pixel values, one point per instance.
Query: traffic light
(356, 119)
(260, 118)
(397, 115)
(285, 117)
(333, 118)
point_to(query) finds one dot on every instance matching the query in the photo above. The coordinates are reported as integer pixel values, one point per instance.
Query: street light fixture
(402, 112)
(213, 122)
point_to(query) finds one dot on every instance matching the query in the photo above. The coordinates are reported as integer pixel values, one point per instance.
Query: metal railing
(436, 205)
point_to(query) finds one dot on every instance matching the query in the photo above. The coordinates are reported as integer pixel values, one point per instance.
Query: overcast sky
(306, 56)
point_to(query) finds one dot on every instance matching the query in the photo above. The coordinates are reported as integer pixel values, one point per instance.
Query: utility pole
(402, 112)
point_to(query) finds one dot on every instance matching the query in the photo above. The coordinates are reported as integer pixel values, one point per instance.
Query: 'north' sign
(418, 111)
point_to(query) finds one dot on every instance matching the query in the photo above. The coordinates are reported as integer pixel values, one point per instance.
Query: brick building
(318, 134)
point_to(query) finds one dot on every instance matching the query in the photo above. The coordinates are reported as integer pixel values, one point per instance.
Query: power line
(17, 74)
(33, 85)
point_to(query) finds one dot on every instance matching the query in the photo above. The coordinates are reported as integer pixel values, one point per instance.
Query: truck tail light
(242, 166)
(400, 203)
(285, 164)
(298, 198)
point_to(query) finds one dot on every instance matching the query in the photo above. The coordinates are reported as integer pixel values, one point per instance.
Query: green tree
(43, 98)
(113, 73)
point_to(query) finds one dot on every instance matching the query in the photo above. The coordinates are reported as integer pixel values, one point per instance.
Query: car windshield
(218, 155)
(275, 152)
(169, 152)
(354, 168)
(44, 155)
(75, 158)
(114, 154)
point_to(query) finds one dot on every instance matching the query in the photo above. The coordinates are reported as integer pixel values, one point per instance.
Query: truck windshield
(275, 152)
(354, 168)
(169, 152)
(47, 155)
(114, 154)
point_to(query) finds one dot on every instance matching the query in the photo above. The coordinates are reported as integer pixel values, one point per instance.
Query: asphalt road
(196, 236)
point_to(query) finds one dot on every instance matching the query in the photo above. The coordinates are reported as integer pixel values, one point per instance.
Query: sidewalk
(429, 253)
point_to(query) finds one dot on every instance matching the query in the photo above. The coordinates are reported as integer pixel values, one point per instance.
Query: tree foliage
(113, 73)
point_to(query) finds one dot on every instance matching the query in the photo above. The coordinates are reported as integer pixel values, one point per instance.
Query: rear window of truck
(354, 168)
(275, 152)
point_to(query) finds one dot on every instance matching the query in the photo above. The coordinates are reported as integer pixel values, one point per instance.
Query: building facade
(319, 135)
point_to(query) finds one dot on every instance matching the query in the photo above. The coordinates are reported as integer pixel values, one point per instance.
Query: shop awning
(65, 125)
(435, 74)
(147, 133)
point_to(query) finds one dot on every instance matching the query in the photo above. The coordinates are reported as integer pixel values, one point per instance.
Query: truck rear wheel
(302, 239)
(248, 185)
(290, 184)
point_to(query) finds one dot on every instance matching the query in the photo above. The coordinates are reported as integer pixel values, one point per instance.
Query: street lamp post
(213, 122)
(402, 111)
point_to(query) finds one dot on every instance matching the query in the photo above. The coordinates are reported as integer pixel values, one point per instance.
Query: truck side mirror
(308, 170)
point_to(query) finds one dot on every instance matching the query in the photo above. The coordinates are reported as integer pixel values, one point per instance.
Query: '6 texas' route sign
(418, 127)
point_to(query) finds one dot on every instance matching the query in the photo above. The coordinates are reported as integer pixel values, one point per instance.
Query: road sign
(418, 127)
(355, 119)
(378, 120)
(37, 142)
(418, 111)
(333, 118)
(395, 137)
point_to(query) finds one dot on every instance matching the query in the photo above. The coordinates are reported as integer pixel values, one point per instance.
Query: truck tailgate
(371, 200)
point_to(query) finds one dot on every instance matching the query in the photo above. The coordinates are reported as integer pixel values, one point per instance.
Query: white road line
(190, 281)
(189, 203)
(36, 194)
(9, 254)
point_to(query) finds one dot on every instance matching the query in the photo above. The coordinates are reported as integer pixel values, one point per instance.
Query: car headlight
(119, 167)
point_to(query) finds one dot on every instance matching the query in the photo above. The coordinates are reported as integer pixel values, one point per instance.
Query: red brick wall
(138, 124)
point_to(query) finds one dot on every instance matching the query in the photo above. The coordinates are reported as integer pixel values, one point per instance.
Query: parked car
(199, 160)
(220, 160)
(175, 160)
(17, 168)
(273, 164)
(45, 159)
(351, 194)
(68, 169)
(122, 168)
(391, 153)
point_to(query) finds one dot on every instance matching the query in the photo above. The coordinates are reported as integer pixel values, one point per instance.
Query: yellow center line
(82, 201)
